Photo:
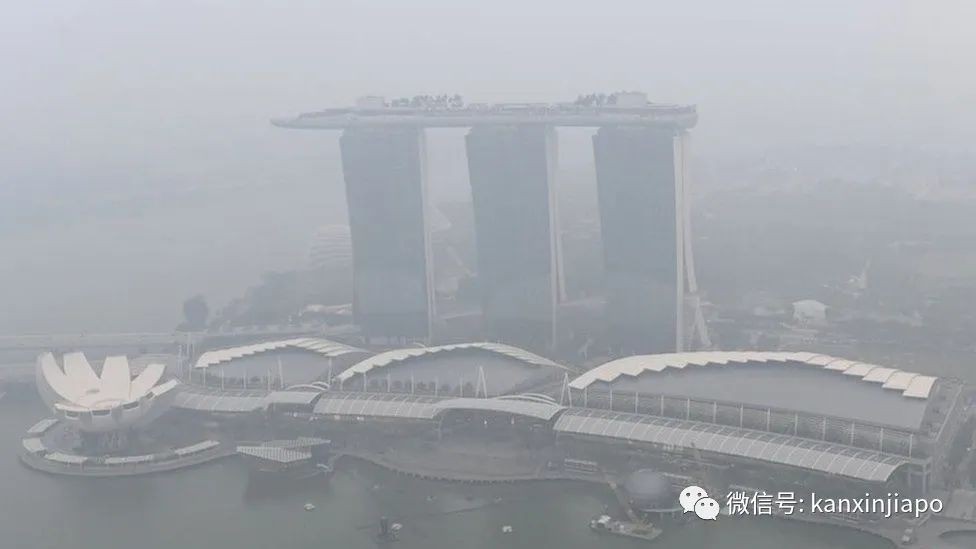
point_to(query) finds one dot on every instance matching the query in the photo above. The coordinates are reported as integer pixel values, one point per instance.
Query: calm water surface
(213, 507)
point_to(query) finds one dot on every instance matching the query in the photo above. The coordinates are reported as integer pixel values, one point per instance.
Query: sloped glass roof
(781, 449)
(378, 405)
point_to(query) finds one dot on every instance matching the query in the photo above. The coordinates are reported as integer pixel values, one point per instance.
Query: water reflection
(218, 506)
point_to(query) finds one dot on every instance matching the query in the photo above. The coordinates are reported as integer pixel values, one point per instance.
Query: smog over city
(494, 274)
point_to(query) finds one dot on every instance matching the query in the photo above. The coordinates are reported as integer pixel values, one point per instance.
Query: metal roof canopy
(275, 453)
(780, 449)
(538, 410)
(300, 443)
(293, 397)
(69, 459)
(221, 401)
(239, 401)
(129, 460)
(42, 426)
(196, 448)
(386, 405)
(33, 445)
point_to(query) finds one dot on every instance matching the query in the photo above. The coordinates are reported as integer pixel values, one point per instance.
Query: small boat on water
(388, 531)
(609, 525)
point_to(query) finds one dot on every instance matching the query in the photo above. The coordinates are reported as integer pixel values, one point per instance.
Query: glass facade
(385, 190)
(510, 169)
(635, 170)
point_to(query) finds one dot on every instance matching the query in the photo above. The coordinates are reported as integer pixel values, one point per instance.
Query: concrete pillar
(386, 192)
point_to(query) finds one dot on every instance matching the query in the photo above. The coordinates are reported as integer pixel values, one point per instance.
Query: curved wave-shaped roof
(910, 384)
(387, 358)
(324, 347)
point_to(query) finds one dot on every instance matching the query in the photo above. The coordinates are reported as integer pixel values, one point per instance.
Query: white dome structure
(106, 403)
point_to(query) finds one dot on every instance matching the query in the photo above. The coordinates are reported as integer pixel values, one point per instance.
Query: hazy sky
(178, 88)
(159, 94)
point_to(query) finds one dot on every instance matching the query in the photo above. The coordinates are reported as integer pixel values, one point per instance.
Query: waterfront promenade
(93, 470)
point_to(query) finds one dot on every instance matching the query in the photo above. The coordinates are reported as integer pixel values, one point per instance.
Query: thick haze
(109, 105)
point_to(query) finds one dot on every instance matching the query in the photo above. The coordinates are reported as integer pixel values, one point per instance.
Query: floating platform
(296, 459)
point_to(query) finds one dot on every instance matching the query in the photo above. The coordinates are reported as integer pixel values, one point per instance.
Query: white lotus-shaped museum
(100, 404)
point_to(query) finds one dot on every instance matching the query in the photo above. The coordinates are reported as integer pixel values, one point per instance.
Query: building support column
(386, 193)
(512, 170)
(640, 184)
